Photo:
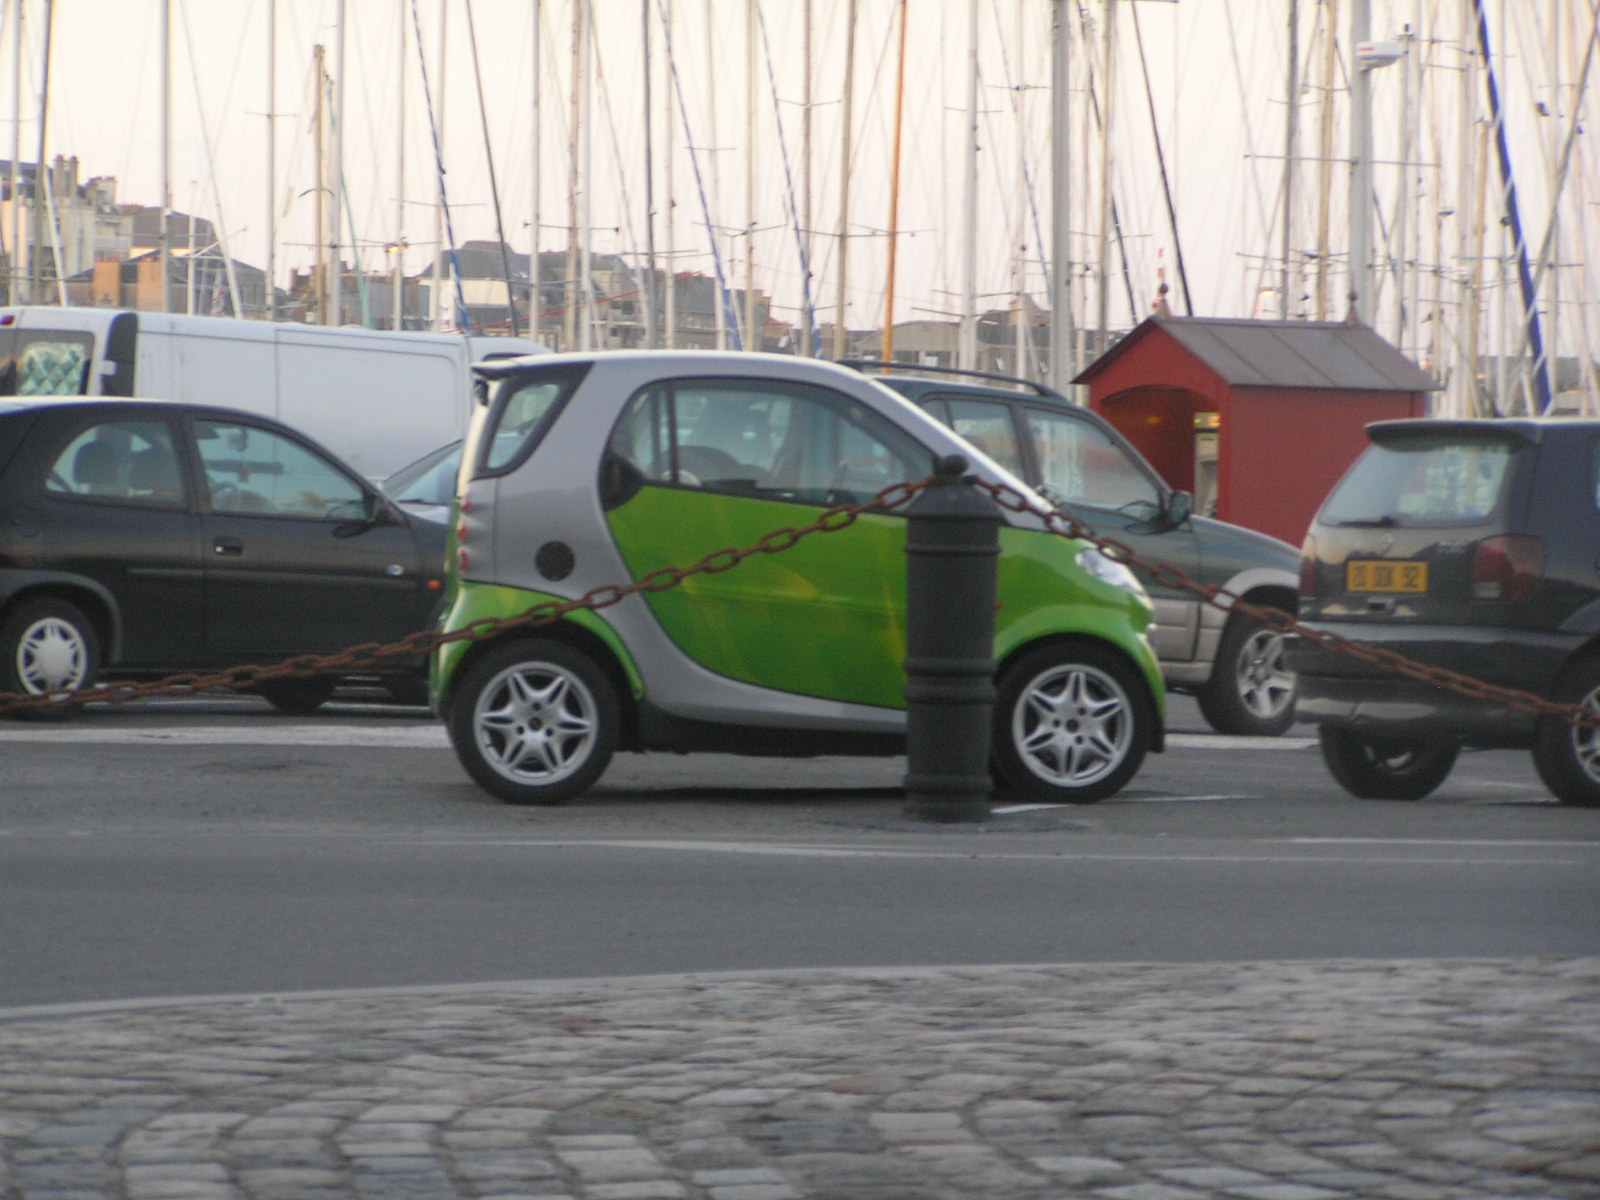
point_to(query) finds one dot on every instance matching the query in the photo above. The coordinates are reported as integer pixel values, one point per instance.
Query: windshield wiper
(1383, 522)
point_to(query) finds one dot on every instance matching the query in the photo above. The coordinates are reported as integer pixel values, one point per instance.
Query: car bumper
(1339, 689)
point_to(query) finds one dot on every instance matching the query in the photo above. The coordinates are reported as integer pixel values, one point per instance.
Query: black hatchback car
(147, 537)
(1470, 545)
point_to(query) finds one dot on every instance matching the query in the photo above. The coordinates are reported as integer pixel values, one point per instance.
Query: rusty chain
(831, 521)
(370, 654)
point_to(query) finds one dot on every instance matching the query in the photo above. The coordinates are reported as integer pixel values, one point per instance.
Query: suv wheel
(1072, 724)
(1567, 756)
(1379, 768)
(1251, 690)
(535, 722)
(48, 646)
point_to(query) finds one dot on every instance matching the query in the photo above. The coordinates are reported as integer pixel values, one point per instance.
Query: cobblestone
(1430, 1080)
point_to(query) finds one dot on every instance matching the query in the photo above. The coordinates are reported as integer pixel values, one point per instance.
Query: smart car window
(254, 470)
(777, 441)
(1079, 464)
(124, 462)
(1427, 482)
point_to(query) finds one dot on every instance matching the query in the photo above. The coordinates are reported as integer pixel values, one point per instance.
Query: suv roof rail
(864, 364)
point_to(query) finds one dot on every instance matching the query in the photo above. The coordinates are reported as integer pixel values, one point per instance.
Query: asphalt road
(212, 846)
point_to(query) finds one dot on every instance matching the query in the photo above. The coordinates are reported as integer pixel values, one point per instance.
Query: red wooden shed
(1258, 419)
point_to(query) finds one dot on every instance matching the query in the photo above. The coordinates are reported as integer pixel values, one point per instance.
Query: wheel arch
(91, 598)
(1158, 733)
(570, 634)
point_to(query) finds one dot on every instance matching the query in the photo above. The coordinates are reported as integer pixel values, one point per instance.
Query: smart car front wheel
(535, 722)
(1072, 723)
(1566, 755)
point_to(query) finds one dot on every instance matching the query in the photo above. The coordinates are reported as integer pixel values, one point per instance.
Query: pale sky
(1216, 73)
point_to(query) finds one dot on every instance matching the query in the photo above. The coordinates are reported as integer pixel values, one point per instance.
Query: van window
(124, 462)
(49, 364)
(1426, 482)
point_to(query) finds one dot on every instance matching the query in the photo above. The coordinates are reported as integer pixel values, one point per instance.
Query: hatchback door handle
(232, 547)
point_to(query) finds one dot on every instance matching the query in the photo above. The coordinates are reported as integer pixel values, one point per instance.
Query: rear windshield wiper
(1383, 522)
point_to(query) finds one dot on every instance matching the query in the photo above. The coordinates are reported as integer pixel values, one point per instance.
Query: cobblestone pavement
(1455, 1080)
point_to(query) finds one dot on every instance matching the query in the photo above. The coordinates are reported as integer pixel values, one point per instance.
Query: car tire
(298, 697)
(1379, 768)
(48, 646)
(535, 722)
(1251, 690)
(1072, 724)
(1567, 756)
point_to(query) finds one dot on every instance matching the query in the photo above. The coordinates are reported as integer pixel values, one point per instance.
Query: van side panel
(380, 407)
(214, 368)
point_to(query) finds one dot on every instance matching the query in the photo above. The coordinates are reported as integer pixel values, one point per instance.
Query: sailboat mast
(808, 318)
(752, 331)
(165, 253)
(967, 349)
(569, 314)
(398, 272)
(672, 206)
(841, 336)
(272, 158)
(14, 280)
(535, 292)
(1291, 131)
(1020, 237)
(1063, 337)
(894, 191)
(336, 227)
(649, 286)
(441, 222)
(320, 270)
(1103, 273)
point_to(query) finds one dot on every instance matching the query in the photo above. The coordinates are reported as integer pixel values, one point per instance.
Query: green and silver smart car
(587, 470)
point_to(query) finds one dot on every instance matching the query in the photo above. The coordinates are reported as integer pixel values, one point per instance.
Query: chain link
(831, 521)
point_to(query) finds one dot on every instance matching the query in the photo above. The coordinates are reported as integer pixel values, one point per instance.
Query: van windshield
(1426, 482)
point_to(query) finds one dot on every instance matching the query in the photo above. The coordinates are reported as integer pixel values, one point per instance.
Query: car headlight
(1108, 570)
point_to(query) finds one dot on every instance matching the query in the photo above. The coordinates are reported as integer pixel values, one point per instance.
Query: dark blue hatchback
(1469, 545)
(147, 537)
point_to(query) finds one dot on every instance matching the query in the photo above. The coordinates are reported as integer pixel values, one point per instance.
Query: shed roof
(1289, 354)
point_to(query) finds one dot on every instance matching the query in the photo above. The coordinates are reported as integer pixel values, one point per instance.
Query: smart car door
(301, 557)
(699, 465)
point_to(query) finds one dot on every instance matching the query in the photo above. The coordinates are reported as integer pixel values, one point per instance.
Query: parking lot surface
(1458, 1080)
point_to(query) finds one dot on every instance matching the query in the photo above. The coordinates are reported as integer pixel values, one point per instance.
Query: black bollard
(952, 559)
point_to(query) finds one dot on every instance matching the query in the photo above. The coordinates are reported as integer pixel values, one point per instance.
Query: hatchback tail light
(1506, 568)
(1308, 569)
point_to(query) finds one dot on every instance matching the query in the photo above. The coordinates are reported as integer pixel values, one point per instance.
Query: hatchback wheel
(1567, 756)
(298, 697)
(1379, 768)
(1251, 690)
(48, 646)
(535, 722)
(1072, 723)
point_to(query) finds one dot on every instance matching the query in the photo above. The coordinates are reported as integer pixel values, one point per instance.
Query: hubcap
(1072, 726)
(1586, 739)
(536, 723)
(51, 656)
(1266, 686)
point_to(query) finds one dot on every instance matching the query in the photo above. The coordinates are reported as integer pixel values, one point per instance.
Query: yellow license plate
(1393, 576)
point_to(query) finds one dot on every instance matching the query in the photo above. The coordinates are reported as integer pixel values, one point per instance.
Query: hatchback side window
(777, 441)
(988, 426)
(123, 462)
(1081, 465)
(253, 470)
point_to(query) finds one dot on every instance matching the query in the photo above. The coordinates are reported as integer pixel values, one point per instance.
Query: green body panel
(478, 601)
(826, 618)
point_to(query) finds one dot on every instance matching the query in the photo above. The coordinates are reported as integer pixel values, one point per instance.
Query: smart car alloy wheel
(49, 646)
(1070, 724)
(534, 722)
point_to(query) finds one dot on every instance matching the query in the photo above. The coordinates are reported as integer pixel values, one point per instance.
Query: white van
(377, 399)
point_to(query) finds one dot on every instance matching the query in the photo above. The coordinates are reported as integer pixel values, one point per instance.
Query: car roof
(1524, 429)
(112, 404)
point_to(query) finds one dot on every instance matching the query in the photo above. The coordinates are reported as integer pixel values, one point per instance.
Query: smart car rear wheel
(1251, 689)
(535, 722)
(1072, 724)
(1567, 756)
(1379, 768)
(48, 646)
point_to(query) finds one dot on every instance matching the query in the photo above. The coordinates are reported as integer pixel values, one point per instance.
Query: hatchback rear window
(1423, 482)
